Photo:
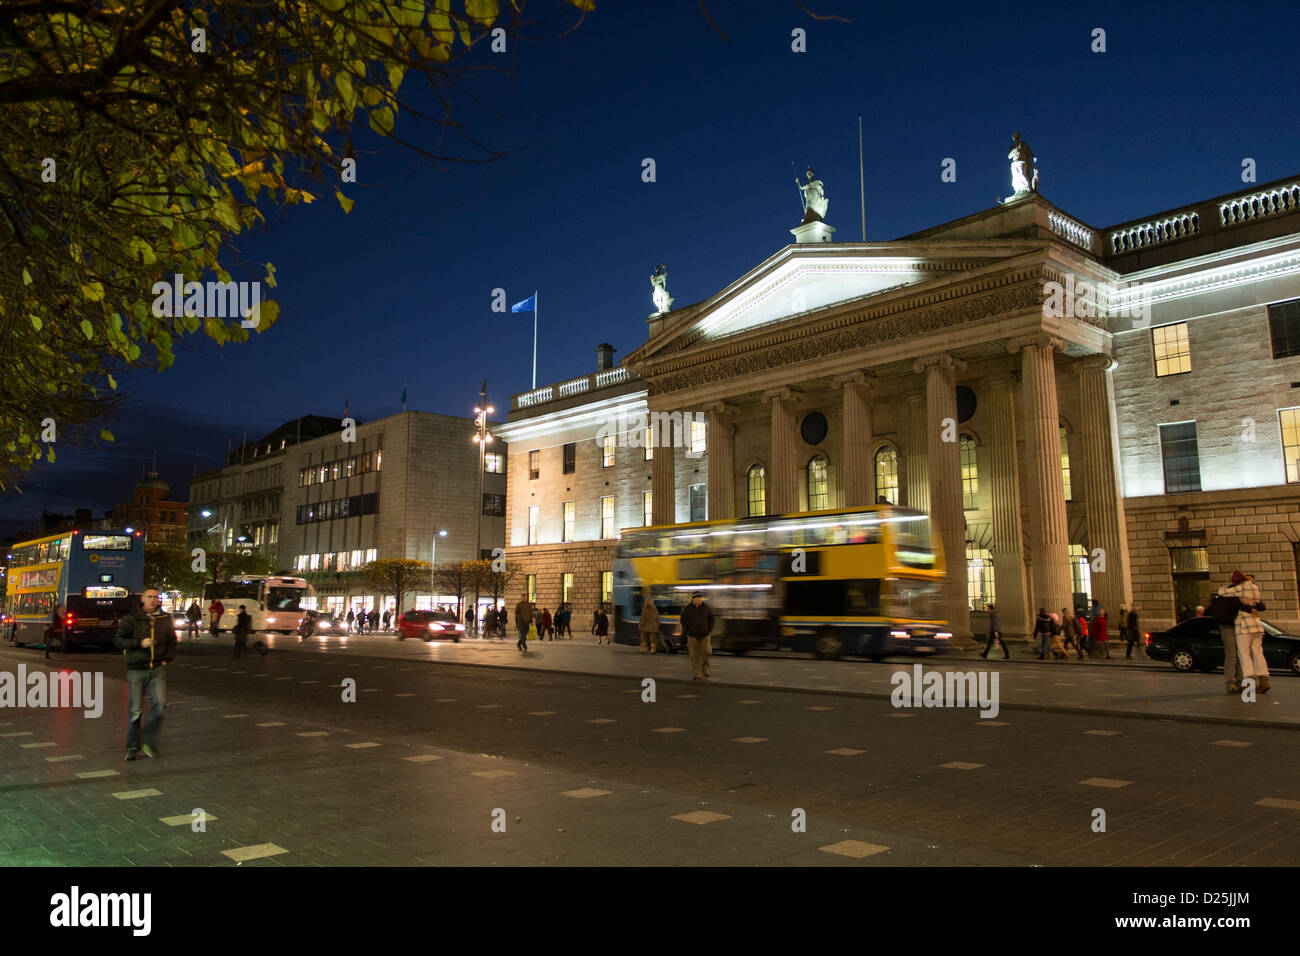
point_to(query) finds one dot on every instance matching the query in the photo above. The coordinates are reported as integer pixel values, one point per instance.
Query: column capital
(782, 393)
(1036, 340)
(939, 360)
(718, 408)
(856, 377)
(1094, 363)
(1005, 380)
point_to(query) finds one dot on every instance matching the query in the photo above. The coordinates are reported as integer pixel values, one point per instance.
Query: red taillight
(1147, 635)
(69, 620)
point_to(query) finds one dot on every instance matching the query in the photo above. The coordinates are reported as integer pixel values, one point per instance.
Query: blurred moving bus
(96, 575)
(272, 601)
(867, 582)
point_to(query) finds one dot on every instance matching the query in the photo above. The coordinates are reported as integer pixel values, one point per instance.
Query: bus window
(106, 542)
(283, 599)
(98, 591)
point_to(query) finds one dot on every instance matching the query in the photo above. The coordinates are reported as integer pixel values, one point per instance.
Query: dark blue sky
(400, 290)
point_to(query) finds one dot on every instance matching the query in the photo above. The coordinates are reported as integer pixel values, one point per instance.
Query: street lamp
(433, 561)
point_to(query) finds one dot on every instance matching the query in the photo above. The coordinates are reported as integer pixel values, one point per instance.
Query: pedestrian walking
(523, 621)
(697, 625)
(1070, 631)
(567, 630)
(1248, 629)
(388, 617)
(649, 627)
(374, 619)
(503, 619)
(1057, 643)
(1131, 630)
(602, 626)
(490, 622)
(55, 631)
(215, 610)
(548, 624)
(193, 615)
(1043, 631)
(995, 634)
(1100, 631)
(147, 638)
(243, 623)
(351, 619)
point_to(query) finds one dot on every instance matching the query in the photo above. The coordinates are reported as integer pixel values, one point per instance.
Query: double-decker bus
(96, 575)
(273, 602)
(867, 582)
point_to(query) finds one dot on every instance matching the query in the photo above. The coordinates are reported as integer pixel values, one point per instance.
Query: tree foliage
(139, 138)
(397, 576)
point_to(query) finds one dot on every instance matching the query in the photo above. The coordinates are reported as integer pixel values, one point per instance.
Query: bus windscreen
(106, 542)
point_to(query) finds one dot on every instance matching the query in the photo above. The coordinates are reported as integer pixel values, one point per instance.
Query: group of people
(530, 623)
(361, 620)
(1057, 634)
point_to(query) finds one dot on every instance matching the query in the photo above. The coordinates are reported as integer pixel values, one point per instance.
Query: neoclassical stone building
(1083, 411)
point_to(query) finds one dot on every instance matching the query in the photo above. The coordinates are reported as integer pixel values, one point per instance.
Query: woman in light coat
(649, 626)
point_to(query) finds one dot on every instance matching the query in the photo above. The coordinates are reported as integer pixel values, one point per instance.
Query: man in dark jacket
(147, 639)
(243, 624)
(523, 617)
(1131, 630)
(1043, 631)
(995, 634)
(697, 625)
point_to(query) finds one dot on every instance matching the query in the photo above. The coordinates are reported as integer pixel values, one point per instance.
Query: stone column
(1103, 491)
(858, 475)
(918, 477)
(783, 469)
(948, 520)
(1008, 554)
(663, 472)
(1049, 536)
(721, 443)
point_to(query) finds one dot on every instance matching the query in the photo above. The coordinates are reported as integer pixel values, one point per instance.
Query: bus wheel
(827, 646)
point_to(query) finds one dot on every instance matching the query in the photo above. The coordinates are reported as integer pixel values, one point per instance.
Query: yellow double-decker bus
(865, 582)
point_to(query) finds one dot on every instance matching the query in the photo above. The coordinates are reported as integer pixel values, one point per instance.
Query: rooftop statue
(1024, 175)
(659, 284)
(814, 197)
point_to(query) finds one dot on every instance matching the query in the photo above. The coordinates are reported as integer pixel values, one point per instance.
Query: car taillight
(1147, 635)
(69, 620)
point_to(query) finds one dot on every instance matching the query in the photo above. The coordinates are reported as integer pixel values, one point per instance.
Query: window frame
(1182, 353)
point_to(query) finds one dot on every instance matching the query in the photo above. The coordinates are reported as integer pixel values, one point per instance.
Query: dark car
(430, 626)
(1195, 644)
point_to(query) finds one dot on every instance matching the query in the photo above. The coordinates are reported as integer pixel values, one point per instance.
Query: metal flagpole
(534, 338)
(862, 181)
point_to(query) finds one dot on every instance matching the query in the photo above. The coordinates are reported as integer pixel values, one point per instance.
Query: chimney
(604, 356)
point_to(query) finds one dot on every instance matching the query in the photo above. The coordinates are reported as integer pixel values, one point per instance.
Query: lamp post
(433, 563)
(481, 438)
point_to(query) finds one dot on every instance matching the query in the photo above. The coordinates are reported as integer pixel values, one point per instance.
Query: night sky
(400, 290)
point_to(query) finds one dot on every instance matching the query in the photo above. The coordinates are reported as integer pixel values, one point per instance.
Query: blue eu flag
(527, 305)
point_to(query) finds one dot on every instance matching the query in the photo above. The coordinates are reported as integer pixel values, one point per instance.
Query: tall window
(1081, 572)
(1290, 419)
(697, 437)
(647, 507)
(970, 474)
(570, 511)
(1181, 459)
(818, 496)
(566, 586)
(649, 443)
(757, 482)
(534, 464)
(532, 587)
(1173, 354)
(887, 474)
(1065, 464)
(698, 500)
(607, 452)
(533, 519)
(1284, 328)
(607, 516)
(570, 457)
(493, 462)
(494, 505)
(606, 586)
(979, 577)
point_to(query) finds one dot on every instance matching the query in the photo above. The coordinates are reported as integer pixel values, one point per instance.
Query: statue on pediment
(814, 197)
(659, 290)
(1024, 175)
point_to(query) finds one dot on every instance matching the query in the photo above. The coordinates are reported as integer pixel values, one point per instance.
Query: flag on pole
(527, 305)
(346, 405)
(403, 396)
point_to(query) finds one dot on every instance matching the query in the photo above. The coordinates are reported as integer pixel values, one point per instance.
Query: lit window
(697, 437)
(699, 497)
(379, 457)
(570, 510)
(757, 482)
(534, 464)
(315, 562)
(649, 443)
(970, 474)
(979, 577)
(533, 519)
(532, 587)
(607, 452)
(1173, 354)
(1065, 464)
(372, 554)
(606, 586)
(492, 462)
(1080, 571)
(1290, 418)
(607, 516)
(887, 474)
(647, 507)
(818, 497)
(566, 586)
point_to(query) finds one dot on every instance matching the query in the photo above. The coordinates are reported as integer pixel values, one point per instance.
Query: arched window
(970, 474)
(1065, 464)
(887, 474)
(757, 479)
(818, 496)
